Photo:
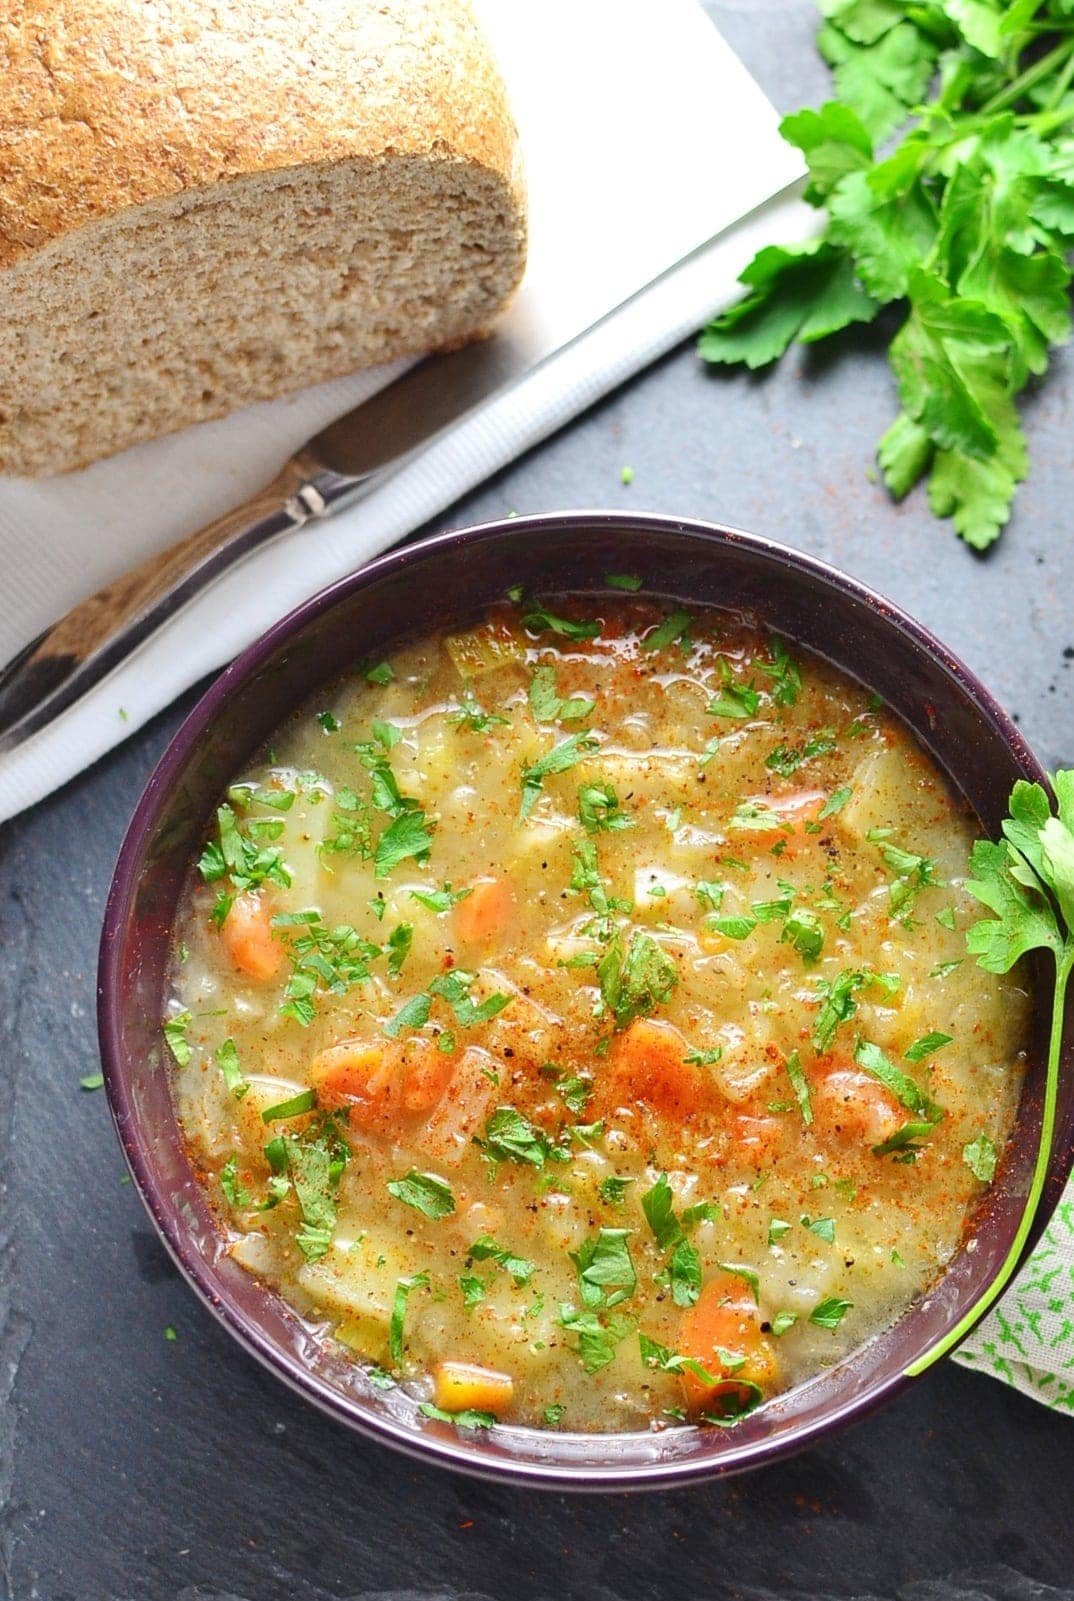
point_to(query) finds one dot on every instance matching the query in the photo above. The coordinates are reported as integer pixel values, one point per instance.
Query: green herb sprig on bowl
(963, 222)
(1027, 881)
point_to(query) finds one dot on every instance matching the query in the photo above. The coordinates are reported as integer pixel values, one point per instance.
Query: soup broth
(571, 1016)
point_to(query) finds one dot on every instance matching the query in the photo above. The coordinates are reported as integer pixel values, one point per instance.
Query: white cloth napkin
(644, 137)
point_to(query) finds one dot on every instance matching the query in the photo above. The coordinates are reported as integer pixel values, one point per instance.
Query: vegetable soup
(572, 1018)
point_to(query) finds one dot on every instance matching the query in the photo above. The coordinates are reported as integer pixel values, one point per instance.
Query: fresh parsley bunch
(1026, 880)
(963, 221)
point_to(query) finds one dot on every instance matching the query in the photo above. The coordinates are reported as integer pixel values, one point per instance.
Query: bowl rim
(454, 1452)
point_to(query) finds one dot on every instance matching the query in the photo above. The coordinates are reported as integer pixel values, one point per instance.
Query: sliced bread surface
(205, 204)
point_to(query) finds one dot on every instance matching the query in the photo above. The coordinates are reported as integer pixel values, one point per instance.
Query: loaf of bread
(209, 202)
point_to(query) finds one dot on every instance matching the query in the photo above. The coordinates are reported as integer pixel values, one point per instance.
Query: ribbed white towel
(644, 137)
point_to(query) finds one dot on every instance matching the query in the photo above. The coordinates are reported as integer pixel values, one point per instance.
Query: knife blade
(337, 467)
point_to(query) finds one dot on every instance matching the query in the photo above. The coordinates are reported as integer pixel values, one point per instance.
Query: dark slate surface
(134, 1468)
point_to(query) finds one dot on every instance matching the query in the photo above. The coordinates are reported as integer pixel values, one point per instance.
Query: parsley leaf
(606, 1273)
(547, 706)
(633, 982)
(830, 1313)
(904, 1088)
(409, 835)
(599, 808)
(540, 620)
(174, 1030)
(227, 1060)
(402, 1294)
(568, 753)
(425, 1193)
(597, 1334)
(980, 1156)
(966, 222)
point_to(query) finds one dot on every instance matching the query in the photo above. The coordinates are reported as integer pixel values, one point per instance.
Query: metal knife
(334, 469)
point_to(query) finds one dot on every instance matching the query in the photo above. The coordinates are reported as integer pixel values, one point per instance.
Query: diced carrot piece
(724, 1319)
(458, 1386)
(248, 938)
(360, 1075)
(851, 1103)
(794, 811)
(647, 1064)
(485, 912)
(427, 1072)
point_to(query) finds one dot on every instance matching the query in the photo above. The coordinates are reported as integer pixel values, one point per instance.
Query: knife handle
(91, 640)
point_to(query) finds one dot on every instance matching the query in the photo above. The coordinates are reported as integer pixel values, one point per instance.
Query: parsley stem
(1028, 79)
(1064, 965)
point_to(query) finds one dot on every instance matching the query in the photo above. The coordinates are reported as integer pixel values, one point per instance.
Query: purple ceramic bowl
(447, 581)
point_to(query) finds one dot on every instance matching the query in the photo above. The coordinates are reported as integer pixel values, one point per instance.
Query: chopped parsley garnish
(174, 1029)
(839, 1003)
(511, 1137)
(304, 1101)
(787, 759)
(613, 1190)
(474, 717)
(540, 620)
(568, 753)
(454, 988)
(399, 942)
(440, 900)
(408, 835)
(329, 722)
(710, 894)
(673, 628)
(313, 1161)
(927, 1045)
(633, 982)
(655, 1355)
(554, 1414)
(784, 672)
(835, 802)
(905, 1090)
(468, 1418)
(322, 958)
(822, 1227)
(240, 858)
(830, 1313)
(474, 1290)
(227, 1060)
(782, 1322)
(800, 1086)
(747, 1274)
(486, 1249)
(735, 700)
(414, 1015)
(425, 1192)
(396, 1327)
(732, 927)
(606, 1273)
(92, 1081)
(683, 1268)
(805, 931)
(597, 1334)
(599, 808)
(980, 1156)
(622, 581)
(381, 674)
(777, 1228)
(547, 706)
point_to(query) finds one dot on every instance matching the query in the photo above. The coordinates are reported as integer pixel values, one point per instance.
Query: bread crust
(108, 104)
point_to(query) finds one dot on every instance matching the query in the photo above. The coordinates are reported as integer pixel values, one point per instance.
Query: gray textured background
(137, 1469)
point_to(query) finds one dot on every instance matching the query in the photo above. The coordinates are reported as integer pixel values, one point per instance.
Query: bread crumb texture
(205, 204)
